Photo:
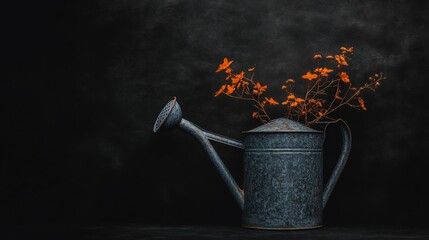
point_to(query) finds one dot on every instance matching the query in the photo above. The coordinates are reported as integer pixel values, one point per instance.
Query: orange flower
(255, 115)
(341, 60)
(329, 57)
(251, 69)
(299, 100)
(344, 77)
(310, 76)
(344, 49)
(224, 65)
(291, 97)
(294, 104)
(290, 80)
(326, 71)
(237, 77)
(259, 89)
(228, 70)
(362, 103)
(271, 101)
(317, 56)
(323, 71)
(220, 90)
(229, 89)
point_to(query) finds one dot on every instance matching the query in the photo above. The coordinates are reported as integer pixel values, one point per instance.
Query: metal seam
(285, 150)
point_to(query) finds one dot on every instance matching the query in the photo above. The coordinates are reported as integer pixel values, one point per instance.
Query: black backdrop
(83, 84)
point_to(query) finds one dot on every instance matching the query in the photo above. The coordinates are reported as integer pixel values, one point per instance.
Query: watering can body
(283, 176)
(283, 170)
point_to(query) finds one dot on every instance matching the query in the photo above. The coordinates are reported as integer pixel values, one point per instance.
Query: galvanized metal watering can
(283, 169)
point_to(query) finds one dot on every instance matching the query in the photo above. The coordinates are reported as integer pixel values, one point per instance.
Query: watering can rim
(282, 125)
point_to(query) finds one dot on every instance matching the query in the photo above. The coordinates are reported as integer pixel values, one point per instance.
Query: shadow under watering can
(283, 169)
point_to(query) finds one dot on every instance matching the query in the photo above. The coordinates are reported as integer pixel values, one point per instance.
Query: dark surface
(84, 82)
(221, 232)
(199, 232)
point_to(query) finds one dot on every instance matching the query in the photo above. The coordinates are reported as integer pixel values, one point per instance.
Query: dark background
(84, 82)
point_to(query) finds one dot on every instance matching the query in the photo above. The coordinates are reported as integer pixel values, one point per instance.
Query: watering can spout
(171, 117)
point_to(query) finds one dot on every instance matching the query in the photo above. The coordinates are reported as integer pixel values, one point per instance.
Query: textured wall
(85, 82)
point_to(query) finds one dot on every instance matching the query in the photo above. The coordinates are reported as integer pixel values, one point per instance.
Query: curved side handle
(344, 155)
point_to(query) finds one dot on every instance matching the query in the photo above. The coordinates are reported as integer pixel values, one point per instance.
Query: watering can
(283, 169)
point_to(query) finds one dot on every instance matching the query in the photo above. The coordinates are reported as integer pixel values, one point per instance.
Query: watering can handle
(344, 155)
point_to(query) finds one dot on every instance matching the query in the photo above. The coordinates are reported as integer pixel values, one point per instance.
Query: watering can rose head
(328, 88)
